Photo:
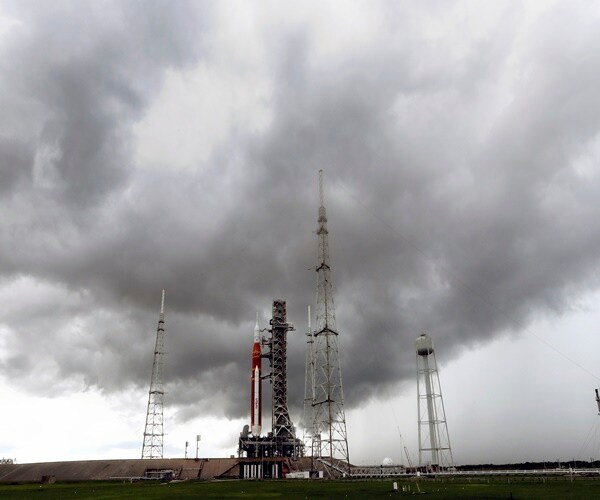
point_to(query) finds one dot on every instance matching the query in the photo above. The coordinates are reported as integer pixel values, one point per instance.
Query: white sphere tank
(387, 461)
(424, 345)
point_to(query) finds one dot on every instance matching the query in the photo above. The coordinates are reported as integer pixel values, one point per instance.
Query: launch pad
(265, 455)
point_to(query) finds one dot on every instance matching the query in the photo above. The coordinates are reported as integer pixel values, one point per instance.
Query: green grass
(481, 488)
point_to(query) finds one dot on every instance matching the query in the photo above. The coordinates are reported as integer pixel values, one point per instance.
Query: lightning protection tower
(433, 428)
(153, 432)
(329, 438)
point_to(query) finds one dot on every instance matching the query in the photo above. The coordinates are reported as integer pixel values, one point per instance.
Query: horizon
(178, 147)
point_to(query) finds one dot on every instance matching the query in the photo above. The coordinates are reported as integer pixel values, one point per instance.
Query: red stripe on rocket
(256, 384)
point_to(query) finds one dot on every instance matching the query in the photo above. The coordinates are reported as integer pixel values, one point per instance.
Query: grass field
(482, 488)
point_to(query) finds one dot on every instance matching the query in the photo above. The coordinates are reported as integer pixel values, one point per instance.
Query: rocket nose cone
(256, 330)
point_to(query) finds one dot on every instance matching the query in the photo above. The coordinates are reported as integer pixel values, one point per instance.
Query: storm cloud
(461, 185)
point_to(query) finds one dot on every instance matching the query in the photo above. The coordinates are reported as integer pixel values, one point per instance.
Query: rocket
(256, 384)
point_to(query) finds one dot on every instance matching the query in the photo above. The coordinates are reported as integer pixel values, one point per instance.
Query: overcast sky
(176, 145)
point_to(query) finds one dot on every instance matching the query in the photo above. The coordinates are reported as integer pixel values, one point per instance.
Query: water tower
(433, 429)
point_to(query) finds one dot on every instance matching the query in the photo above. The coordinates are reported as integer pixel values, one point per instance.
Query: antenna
(321, 196)
(152, 446)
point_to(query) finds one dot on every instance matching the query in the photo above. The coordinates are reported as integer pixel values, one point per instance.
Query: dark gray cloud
(77, 77)
(16, 166)
(458, 187)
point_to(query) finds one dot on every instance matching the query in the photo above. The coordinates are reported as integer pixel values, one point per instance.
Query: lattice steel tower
(283, 429)
(309, 384)
(153, 432)
(282, 424)
(433, 429)
(329, 420)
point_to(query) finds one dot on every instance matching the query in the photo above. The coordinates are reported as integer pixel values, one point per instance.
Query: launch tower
(329, 438)
(433, 429)
(283, 430)
(153, 431)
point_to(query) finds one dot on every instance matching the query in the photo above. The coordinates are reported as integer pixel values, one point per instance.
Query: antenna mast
(329, 438)
(153, 431)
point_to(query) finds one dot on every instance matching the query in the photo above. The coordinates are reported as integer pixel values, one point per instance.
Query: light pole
(197, 445)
